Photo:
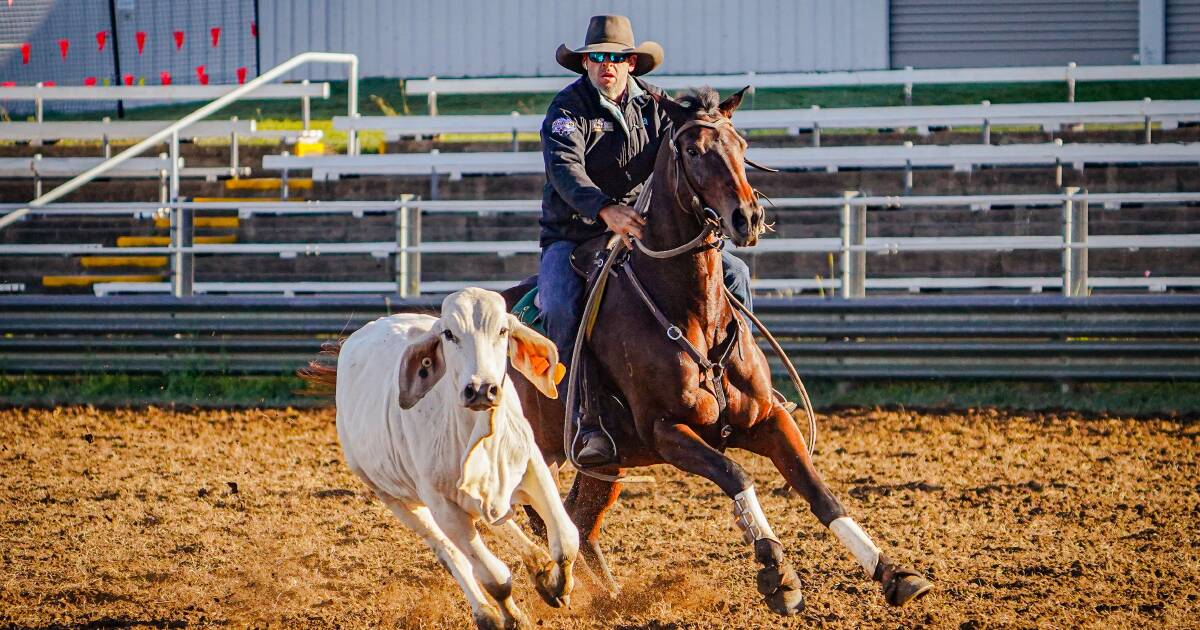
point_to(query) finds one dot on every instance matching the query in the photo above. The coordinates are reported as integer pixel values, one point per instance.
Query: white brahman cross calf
(428, 419)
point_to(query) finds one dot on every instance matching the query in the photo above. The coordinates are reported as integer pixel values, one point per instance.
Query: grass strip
(210, 390)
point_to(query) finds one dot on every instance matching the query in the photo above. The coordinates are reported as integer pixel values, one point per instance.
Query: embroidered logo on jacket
(563, 126)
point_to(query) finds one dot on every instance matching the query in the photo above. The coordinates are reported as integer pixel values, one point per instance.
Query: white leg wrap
(857, 541)
(749, 517)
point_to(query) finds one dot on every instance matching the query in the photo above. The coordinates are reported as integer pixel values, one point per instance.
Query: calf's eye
(503, 332)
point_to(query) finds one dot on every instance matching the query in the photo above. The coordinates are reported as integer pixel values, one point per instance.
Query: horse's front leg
(679, 445)
(779, 439)
(587, 502)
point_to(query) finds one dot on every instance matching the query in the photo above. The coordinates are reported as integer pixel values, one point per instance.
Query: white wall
(452, 38)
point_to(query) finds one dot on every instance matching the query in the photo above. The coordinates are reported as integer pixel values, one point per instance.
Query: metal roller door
(1183, 31)
(968, 33)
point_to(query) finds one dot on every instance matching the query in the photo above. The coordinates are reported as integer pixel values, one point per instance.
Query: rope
(791, 369)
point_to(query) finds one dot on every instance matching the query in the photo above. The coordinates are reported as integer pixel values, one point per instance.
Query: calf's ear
(535, 357)
(420, 368)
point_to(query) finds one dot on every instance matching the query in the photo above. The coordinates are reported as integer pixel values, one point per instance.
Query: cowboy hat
(611, 33)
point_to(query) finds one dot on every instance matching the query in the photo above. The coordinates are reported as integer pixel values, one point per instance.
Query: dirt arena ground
(152, 518)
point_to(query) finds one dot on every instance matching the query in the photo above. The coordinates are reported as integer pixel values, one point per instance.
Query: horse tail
(321, 375)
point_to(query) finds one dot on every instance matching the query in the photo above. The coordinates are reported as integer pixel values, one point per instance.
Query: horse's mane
(701, 102)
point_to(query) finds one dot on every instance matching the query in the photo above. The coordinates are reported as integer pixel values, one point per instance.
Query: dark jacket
(591, 161)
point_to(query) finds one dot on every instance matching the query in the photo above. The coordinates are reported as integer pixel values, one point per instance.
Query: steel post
(305, 110)
(854, 236)
(1075, 239)
(407, 282)
(233, 150)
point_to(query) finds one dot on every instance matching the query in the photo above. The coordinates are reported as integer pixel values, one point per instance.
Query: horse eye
(448, 335)
(692, 151)
(503, 332)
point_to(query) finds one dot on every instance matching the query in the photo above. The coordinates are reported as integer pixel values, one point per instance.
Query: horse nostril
(740, 222)
(469, 393)
(491, 392)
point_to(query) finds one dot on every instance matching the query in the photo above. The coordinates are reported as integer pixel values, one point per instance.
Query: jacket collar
(632, 90)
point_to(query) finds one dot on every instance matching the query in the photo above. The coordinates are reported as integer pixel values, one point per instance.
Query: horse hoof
(554, 584)
(780, 588)
(785, 601)
(905, 586)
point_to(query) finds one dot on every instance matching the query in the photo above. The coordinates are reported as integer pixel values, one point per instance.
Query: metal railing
(181, 221)
(907, 77)
(1049, 116)
(1040, 337)
(407, 247)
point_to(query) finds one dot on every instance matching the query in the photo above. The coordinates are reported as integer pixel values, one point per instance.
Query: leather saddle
(589, 256)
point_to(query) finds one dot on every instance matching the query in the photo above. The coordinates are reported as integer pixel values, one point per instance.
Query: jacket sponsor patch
(562, 126)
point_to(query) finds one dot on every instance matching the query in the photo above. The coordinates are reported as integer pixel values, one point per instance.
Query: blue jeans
(561, 294)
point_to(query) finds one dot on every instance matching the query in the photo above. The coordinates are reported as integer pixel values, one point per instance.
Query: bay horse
(676, 415)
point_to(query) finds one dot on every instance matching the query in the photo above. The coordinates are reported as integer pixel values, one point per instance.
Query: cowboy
(599, 141)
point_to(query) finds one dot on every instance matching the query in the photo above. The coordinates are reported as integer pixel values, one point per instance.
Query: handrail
(206, 110)
(1114, 200)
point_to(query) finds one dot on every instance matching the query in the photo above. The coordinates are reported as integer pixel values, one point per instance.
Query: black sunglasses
(599, 57)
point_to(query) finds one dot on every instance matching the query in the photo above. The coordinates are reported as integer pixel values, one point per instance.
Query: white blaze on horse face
(857, 541)
(478, 339)
(749, 517)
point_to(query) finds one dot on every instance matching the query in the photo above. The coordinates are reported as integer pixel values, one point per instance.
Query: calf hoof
(489, 618)
(780, 588)
(904, 586)
(517, 620)
(554, 583)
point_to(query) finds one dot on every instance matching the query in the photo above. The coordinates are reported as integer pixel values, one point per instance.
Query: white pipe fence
(852, 247)
(1049, 116)
(181, 221)
(908, 77)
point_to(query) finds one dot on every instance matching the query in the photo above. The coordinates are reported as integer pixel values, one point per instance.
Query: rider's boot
(596, 448)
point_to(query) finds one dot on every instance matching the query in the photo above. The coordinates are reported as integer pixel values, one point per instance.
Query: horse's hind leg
(779, 439)
(679, 445)
(586, 503)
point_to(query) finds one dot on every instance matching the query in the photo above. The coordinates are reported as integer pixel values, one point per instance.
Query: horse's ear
(676, 112)
(729, 105)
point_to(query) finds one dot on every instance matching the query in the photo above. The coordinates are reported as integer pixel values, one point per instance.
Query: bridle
(709, 219)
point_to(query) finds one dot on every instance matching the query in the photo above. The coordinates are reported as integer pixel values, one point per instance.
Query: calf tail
(319, 374)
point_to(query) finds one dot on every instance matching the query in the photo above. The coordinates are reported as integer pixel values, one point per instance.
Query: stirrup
(597, 450)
